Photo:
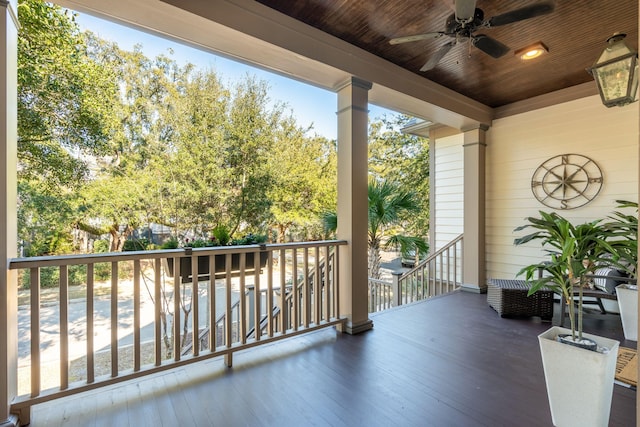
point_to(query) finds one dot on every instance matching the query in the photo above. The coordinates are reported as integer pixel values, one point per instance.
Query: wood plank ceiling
(575, 34)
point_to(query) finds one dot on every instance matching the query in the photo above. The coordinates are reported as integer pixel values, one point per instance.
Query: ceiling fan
(466, 20)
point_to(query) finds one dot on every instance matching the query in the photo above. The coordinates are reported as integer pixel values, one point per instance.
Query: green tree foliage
(65, 100)
(304, 181)
(44, 220)
(195, 155)
(402, 159)
(388, 204)
(65, 113)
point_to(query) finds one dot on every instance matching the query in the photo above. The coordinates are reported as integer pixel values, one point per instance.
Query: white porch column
(353, 102)
(474, 273)
(8, 216)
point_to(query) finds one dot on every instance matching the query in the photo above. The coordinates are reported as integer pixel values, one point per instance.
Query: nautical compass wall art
(567, 181)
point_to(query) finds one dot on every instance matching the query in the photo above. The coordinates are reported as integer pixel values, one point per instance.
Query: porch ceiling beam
(255, 34)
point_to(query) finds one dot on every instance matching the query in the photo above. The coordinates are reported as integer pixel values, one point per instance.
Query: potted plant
(625, 229)
(579, 368)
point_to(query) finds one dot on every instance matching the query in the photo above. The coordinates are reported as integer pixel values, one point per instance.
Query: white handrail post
(8, 211)
(395, 288)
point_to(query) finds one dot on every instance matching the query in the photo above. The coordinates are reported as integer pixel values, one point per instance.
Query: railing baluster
(177, 282)
(448, 264)
(228, 361)
(195, 314)
(455, 266)
(114, 319)
(157, 305)
(327, 282)
(90, 329)
(213, 325)
(269, 299)
(295, 317)
(306, 295)
(64, 327)
(317, 286)
(434, 278)
(257, 294)
(283, 291)
(336, 289)
(35, 331)
(136, 315)
(242, 316)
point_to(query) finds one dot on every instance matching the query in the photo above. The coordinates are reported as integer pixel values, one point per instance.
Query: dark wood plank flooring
(451, 361)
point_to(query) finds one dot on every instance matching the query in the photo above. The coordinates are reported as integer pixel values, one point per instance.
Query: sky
(321, 112)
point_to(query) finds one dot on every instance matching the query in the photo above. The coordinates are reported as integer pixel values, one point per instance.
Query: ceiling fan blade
(416, 37)
(433, 61)
(465, 10)
(491, 47)
(521, 14)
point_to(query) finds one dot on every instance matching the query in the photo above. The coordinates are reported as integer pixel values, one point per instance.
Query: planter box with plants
(579, 368)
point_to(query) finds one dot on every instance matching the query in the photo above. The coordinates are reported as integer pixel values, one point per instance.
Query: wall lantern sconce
(532, 51)
(616, 73)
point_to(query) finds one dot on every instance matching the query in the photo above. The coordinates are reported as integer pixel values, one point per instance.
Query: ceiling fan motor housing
(455, 27)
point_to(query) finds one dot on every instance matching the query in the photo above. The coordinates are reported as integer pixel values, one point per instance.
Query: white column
(353, 102)
(474, 272)
(8, 206)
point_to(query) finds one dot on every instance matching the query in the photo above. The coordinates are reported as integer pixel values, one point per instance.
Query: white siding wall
(449, 190)
(517, 145)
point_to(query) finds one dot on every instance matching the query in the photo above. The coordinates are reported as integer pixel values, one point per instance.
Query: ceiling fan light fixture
(532, 51)
(616, 73)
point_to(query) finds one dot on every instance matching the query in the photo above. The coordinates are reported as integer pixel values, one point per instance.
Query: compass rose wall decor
(567, 181)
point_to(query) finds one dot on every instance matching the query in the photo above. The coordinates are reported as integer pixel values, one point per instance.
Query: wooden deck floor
(451, 361)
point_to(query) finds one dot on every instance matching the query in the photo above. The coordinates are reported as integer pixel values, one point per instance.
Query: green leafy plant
(575, 251)
(171, 243)
(250, 239)
(135, 245)
(624, 228)
(221, 234)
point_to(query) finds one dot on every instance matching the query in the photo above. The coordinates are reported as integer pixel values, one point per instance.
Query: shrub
(101, 246)
(221, 234)
(172, 243)
(50, 277)
(135, 245)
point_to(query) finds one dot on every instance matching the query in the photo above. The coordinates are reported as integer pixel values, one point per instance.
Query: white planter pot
(579, 381)
(628, 303)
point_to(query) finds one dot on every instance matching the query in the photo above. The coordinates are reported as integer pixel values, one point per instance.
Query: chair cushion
(608, 284)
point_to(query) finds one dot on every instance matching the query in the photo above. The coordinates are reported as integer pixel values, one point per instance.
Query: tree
(65, 100)
(387, 205)
(65, 116)
(402, 159)
(304, 180)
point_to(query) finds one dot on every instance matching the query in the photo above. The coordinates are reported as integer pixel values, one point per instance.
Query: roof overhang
(257, 35)
(254, 34)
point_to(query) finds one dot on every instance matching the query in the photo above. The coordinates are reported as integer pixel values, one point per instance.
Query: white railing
(438, 274)
(380, 295)
(144, 319)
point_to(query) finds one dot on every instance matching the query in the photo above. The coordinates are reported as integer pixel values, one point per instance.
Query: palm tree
(388, 204)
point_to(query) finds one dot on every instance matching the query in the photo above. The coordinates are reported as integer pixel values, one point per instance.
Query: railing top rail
(57, 260)
(380, 281)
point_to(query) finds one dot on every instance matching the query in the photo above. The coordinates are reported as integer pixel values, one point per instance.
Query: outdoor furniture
(601, 291)
(509, 298)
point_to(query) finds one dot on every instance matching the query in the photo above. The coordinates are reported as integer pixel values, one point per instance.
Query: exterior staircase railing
(438, 274)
